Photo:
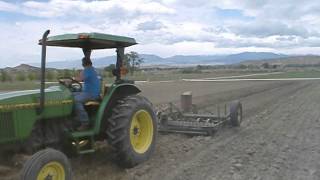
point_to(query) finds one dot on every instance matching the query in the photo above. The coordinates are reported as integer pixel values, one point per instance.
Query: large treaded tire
(47, 158)
(235, 113)
(119, 127)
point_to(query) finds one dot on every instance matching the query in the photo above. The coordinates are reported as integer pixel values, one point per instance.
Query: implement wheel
(47, 164)
(132, 130)
(235, 113)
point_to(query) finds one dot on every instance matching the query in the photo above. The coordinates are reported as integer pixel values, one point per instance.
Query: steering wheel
(71, 83)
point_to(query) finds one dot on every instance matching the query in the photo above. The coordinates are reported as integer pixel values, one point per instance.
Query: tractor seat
(92, 103)
(95, 102)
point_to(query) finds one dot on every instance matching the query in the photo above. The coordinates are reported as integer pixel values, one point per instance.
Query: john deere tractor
(43, 121)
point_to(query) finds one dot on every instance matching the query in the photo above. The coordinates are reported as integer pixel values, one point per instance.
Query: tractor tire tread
(31, 167)
(235, 107)
(117, 129)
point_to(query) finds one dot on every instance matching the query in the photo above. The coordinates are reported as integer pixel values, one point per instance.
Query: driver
(91, 91)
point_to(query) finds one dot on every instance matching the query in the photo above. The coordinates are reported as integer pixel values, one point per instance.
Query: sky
(162, 27)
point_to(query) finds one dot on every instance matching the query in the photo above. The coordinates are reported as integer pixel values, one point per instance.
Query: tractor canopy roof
(90, 41)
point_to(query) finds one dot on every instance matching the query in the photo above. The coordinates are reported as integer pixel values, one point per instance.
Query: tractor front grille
(6, 125)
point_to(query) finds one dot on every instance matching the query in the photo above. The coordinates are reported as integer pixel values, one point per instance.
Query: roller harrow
(187, 120)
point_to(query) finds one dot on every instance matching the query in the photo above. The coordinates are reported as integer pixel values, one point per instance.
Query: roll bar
(120, 58)
(87, 53)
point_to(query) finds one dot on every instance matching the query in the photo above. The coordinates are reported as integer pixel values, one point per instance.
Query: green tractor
(42, 120)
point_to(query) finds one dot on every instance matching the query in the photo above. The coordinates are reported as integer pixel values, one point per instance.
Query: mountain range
(178, 60)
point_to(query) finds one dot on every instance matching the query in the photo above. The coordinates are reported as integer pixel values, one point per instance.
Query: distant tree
(110, 67)
(133, 60)
(4, 75)
(74, 72)
(190, 71)
(108, 70)
(50, 75)
(242, 66)
(67, 73)
(21, 76)
(31, 76)
(266, 65)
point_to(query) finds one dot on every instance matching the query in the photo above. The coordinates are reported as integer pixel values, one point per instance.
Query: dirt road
(279, 138)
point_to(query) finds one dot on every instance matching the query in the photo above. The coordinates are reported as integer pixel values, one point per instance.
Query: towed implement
(42, 120)
(187, 119)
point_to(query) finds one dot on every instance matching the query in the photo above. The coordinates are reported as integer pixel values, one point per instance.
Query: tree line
(132, 62)
(51, 75)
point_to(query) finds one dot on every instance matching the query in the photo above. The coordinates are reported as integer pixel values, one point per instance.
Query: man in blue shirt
(91, 91)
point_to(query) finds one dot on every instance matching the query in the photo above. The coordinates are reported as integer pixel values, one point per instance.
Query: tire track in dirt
(304, 155)
(274, 142)
(282, 135)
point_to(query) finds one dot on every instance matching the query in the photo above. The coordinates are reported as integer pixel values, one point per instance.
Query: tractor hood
(29, 99)
(14, 94)
(19, 110)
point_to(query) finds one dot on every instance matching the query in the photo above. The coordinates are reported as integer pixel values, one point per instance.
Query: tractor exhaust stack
(43, 70)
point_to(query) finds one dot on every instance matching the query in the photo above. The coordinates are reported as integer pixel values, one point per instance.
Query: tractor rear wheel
(47, 164)
(132, 130)
(235, 113)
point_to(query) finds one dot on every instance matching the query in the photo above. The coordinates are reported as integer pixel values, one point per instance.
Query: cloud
(4, 6)
(21, 42)
(266, 29)
(164, 27)
(63, 8)
(150, 26)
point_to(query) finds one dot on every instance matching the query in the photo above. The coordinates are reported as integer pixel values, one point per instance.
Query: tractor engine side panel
(58, 104)
(19, 111)
(16, 120)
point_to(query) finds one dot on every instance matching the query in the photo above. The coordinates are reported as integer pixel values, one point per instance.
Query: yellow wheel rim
(141, 131)
(52, 171)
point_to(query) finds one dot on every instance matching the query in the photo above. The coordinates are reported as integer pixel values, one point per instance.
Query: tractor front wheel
(132, 130)
(47, 164)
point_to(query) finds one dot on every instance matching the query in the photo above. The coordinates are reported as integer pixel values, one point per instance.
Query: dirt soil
(278, 139)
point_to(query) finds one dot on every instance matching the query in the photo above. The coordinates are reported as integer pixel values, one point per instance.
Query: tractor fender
(115, 92)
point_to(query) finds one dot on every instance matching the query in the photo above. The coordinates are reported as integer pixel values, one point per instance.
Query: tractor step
(80, 134)
(87, 151)
(84, 145)
(84, 141)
